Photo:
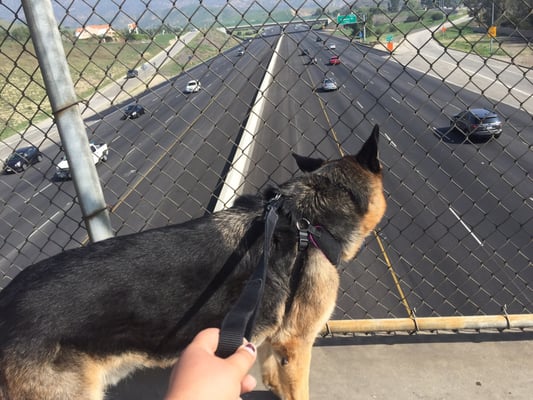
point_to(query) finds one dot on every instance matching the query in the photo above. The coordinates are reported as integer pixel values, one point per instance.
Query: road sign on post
(492, 31)
(346, 19)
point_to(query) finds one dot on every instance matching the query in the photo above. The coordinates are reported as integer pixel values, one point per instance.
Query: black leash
(240, 320)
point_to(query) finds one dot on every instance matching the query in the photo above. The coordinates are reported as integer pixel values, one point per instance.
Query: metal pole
(364, 28)
(491, 24)
(60, 89)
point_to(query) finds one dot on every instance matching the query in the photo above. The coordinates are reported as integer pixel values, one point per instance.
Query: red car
(334, 60)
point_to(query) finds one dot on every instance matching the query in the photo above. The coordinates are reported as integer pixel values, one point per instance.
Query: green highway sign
(347, 19)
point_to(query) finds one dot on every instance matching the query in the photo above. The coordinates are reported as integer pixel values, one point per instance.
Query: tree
(517, 13)
(482, 10)
(411, 5)
(318, 12)
(21, 33)
(394, 5)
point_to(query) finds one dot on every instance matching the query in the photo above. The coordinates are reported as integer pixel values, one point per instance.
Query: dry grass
(199, 50)
(92, 64)
(504, 48)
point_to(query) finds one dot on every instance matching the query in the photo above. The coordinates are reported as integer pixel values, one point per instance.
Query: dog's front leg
(285, 367)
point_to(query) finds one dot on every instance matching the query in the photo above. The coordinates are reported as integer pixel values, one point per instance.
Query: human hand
(200, 375)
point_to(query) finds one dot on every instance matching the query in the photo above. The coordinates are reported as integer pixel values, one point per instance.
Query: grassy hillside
(93, 65)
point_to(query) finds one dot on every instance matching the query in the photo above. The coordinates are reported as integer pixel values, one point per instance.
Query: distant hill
(181, 13)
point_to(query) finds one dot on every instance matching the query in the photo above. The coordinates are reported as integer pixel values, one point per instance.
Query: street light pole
(491, 24)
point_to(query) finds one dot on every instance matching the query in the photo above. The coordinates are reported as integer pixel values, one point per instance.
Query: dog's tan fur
(286, 357)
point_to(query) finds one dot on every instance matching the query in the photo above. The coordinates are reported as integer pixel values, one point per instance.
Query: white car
(193, 86)
(332, 46)
(100, 152)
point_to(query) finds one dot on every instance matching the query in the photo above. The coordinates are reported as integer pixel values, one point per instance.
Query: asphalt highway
(455, 240)
(164, 167)
(455, 232)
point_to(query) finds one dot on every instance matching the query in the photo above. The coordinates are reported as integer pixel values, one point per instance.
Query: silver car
(329, 84)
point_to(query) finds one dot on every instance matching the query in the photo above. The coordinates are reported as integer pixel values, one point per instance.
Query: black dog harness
(240, 320)
(320, 238)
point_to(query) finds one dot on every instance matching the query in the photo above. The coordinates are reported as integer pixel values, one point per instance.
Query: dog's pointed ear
(368, 155)
(308, 164)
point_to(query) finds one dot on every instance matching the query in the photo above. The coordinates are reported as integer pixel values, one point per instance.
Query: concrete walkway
(470, 366)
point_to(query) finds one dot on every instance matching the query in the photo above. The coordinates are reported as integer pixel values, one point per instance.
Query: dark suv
(478, 122)
(132, 73)
(133, 111)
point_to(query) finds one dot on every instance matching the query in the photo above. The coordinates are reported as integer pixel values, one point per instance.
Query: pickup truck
(99, 151)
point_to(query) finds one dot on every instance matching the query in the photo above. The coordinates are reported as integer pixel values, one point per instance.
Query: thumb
(243, 358)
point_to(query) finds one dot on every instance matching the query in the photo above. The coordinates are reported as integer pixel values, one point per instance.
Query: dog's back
(105, 309)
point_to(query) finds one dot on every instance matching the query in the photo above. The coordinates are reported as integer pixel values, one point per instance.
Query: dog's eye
(284, 361)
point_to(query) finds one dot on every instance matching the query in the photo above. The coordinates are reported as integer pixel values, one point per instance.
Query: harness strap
(240, 320)
(320, 238)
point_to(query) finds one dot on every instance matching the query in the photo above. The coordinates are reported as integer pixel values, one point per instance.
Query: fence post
(60, 89)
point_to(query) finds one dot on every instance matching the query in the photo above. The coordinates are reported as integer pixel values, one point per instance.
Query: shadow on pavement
(152, 384)
(425, 337)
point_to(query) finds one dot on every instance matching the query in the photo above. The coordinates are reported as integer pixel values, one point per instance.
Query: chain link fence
(199, 102)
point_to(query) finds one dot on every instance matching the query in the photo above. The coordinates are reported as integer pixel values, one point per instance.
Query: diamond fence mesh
(201, 101)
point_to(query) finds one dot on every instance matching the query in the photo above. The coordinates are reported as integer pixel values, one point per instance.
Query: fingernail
(250, 348)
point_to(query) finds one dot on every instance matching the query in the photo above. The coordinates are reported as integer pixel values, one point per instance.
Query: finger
(207, 339)
(248, 384)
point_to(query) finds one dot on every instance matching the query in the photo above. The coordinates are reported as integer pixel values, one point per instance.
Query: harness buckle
(303, 233)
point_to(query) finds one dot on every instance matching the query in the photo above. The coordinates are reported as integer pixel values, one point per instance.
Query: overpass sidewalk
(477, 366)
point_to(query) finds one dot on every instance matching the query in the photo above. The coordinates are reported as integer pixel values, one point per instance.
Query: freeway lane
(457, 229)
(163, 167)
(367, 286)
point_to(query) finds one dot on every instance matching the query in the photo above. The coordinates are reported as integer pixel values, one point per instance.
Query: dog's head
(344, 196)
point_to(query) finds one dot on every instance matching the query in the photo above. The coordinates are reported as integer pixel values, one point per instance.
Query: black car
(478, 122)
(133, 111)
(22, 158)
(132, 73)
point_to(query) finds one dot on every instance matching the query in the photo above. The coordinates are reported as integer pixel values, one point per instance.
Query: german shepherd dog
(82, 320)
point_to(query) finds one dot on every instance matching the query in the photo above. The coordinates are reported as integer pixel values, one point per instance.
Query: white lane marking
(466, 226)
(390, 140)
(359, 104)
(129, 153)
(38, 193)
(41, 227)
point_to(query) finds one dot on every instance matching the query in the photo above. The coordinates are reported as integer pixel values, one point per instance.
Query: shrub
(412, 18)
(436, 16)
